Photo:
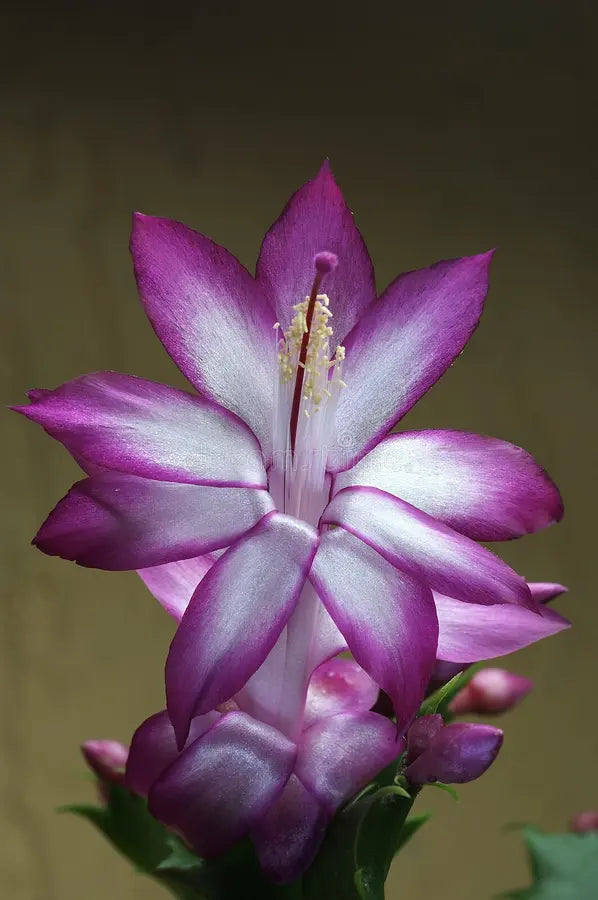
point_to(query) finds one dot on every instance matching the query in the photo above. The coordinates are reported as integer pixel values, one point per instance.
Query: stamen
(308, 382)
(324, 262)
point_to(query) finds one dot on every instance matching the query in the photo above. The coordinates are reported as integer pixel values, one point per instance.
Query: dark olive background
(452, 128)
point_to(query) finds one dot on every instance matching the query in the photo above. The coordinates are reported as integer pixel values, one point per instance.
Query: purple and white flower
(272, 513)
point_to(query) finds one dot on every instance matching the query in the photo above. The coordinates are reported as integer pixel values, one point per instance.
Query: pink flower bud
(491, 691)
(585, 821)
(106, 758)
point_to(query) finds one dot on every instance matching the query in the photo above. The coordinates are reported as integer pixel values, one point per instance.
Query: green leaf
(430, 706)
(333, 874)
(181, 870)
(379, 836)
(153, 850)
(360, 886)
(236, 873)
(448, 788)
(564, 866)
(399, 789)
(362, 841)
(410, 828)
(127, 824)
(439, 701)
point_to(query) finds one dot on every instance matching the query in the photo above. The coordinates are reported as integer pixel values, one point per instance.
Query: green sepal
(564, 866)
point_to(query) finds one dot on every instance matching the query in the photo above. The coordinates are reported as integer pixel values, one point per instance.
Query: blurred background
(451, 128)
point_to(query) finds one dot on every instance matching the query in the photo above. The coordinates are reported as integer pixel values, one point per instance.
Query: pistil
(306, 389)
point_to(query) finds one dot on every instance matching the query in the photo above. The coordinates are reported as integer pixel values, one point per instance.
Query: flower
(275, 494)
(451, 754)
(274, 450)
(491, 691)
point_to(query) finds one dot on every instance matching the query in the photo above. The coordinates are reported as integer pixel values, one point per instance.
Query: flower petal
(173, 584)
(261, 694)
(223, 783)
(211, 316)
(236, 615)
(288, 837)
(340, 754)
(153, 748)
(388, 619)
(328, 641)
(482, 487)
(317, 218)
(143, 428)
(339, 685)
(545, 591)
(425, 548)
(115, 521)
(401, 346)
(469, 632)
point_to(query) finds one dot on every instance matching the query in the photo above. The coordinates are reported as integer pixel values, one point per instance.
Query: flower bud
(108, 760)
(491, 691)
(454, 753)
(585, 821)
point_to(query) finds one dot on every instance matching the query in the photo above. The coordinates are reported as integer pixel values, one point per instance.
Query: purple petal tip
(106, 758)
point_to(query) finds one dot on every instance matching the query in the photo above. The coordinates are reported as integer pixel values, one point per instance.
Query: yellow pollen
(317, 387)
